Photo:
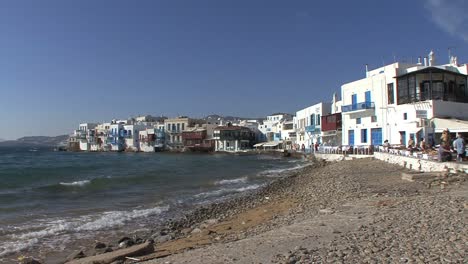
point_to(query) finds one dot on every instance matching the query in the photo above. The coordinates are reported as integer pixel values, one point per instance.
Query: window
(318, 119)
(312, 119)
(405, 116)
(402, 90)
(168, 127)
(373, 119)
(358, 120)
(390, 93)
(183, 126)
(173, 127)
(412, 88)
(178, 127)
(363, 135)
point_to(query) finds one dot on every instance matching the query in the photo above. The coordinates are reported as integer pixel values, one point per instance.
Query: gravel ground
(356, 211)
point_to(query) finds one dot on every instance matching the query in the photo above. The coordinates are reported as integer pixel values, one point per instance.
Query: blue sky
(64, 62)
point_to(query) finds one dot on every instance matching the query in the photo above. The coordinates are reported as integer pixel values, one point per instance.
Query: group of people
(446, 149)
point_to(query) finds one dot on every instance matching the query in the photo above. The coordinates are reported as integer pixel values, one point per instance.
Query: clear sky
(64, 62)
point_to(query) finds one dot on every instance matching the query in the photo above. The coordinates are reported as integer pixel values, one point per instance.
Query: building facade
(397, 103)
(308, 123)
(233, 138)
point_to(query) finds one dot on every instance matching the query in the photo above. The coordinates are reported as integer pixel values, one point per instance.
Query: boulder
(29, 260)
(117, 255)
(99, 245)
(76, 255)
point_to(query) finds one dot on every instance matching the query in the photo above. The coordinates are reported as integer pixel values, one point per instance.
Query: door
(376, 136)
(368, 98)
(351, 137)
(354, 101)
(403, 138)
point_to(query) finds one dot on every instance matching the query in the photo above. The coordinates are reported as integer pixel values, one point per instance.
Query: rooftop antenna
(450, 53)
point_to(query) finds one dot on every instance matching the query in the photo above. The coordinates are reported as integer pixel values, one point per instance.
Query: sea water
(49, 200)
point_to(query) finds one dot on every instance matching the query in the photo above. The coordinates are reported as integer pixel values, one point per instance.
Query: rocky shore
(358, 211)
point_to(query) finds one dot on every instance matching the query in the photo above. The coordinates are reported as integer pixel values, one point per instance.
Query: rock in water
(99, 245)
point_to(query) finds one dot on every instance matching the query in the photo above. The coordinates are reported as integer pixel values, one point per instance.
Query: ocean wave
(76, 183)
(12, 247)
(226, 191)
(61, 227)
(233, 181)
(280, 172)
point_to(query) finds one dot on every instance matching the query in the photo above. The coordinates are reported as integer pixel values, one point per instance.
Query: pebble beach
(357, 211)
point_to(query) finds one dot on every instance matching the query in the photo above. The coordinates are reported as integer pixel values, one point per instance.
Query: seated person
(411, 144)
(422, 145)
(386, 145)
(444, 153)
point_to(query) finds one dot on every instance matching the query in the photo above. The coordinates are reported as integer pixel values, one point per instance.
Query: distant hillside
(229, 118)
(36, 141)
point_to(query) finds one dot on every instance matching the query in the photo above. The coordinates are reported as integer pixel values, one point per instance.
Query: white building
(400, 101)
(272, 127)
(131, 135)
(307, 123)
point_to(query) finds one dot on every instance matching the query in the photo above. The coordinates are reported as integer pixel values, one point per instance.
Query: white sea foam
(226, 191)
(76, 183)
(63, 227)
(280, 172)
(11, 247)
(233, 181)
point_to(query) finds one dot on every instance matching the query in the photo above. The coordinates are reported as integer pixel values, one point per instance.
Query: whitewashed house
(131, 135)
(307, 123)
(273, 125)
(401, 101)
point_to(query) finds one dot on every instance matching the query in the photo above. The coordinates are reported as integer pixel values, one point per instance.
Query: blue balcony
(357, 107)
(312, 129)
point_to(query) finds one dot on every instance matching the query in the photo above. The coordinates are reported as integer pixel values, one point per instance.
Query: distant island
(36, 141)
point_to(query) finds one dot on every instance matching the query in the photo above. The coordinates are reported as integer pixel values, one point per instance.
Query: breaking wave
(76, 183)
(66, 227)
(233, 181)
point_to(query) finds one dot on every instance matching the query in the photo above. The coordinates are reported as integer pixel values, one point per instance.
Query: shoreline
(202, 216)
(328, 204)
(111, 236)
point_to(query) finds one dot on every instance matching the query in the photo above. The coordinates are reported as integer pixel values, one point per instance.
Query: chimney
(425, 61)
(419, 60)
(367, 70)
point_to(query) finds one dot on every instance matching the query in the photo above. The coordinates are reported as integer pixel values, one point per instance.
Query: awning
(271, 144)
(453, 125)
(258, 145)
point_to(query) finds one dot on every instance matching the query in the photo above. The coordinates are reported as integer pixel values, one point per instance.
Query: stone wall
(421, 164)
(407, 162)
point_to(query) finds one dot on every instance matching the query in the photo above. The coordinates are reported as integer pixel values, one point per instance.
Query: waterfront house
(272, 126)
(131, 136)
(233, 138)
(101, 134)
(331, 124)
(196, 139)
(115, 138)
(173, 129)
(399, 102)
(307, 123)
(147, 139)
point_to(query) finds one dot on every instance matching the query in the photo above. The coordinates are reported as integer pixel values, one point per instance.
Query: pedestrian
(459, 146)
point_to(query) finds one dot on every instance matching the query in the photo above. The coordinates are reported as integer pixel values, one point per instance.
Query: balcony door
(354, 101)
(351, 137)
